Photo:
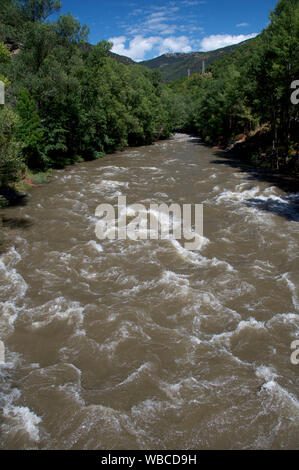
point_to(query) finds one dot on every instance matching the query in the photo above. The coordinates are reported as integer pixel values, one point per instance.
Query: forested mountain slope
(175, 66)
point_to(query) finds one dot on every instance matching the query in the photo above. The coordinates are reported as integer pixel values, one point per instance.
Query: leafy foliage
(74, 101)
(29, 130)
(39, 10)
(176, 66)
(250, 90)
(11, 165)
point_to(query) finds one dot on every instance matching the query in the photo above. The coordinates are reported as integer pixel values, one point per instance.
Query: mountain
(122, 59)
(175, 66)
(119, 58)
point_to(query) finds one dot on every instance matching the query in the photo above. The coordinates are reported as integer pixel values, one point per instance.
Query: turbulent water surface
(146, 345)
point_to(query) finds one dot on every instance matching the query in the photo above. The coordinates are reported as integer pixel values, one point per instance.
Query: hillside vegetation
(67, 102)
(176, 66)
(247, 95)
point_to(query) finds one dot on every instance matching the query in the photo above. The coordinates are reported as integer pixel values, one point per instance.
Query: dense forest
(66, 102)
(246, 96)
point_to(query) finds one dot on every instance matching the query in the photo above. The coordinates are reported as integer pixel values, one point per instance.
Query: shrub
(11, 163)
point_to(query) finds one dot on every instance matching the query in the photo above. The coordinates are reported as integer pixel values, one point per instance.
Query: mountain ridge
(177, 65)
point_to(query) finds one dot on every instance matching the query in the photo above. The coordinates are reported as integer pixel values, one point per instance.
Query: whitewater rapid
(116, 344)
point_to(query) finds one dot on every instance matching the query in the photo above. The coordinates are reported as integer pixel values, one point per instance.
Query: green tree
(39, 10)
(4, 54)
(29, 131)
(70, 29)
(11, 163)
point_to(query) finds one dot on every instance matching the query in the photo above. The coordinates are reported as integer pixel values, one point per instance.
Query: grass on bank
(32, 179)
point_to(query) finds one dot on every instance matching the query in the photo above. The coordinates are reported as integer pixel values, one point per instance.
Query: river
(146, 345)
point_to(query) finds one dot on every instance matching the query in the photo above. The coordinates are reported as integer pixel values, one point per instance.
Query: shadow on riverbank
(284, 206)
(8, 224)
(286, 183)
(287, 207)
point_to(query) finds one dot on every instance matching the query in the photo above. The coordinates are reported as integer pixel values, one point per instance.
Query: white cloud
(192, 3)
(217, 41)
(137, 47)
(242, 25)
(175, 44)
(162, 21)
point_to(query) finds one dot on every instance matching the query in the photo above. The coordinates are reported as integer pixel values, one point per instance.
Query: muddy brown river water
(146, 345)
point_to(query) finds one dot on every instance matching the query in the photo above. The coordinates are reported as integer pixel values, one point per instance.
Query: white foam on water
(74, 205)
(290, 319)
(96, 246)
(293, 288)
(271, 191)
(11, 258)
(260, 204)
(196, 258)
(239, 175)
(178, 282)
(266, 373)
(59, 309)
(239, 195)
(144, 369)
(12, 289)
(264, 267)
(161, 196)
(8, 395)
(10, 278)
(109, 188)
(65, 178)
(150, 410)
(170, 180)
(187, 255)
(64, 257)
(225, 338)
(9, 313)
(22, 420)
(210, 312)
(127, 330)
(73, 391)
(144, 230)
(211, 300)
(284, 400)
(151, 168)
(252, 323)
(115, 169)
(138, 288)
(113, 184)
(173, 391)
(89, 274)
(178, 137)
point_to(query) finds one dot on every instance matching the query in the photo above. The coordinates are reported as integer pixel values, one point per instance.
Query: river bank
(18, 195)
(276, 166)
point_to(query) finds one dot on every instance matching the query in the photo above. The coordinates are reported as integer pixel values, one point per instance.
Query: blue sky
(146, 29)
